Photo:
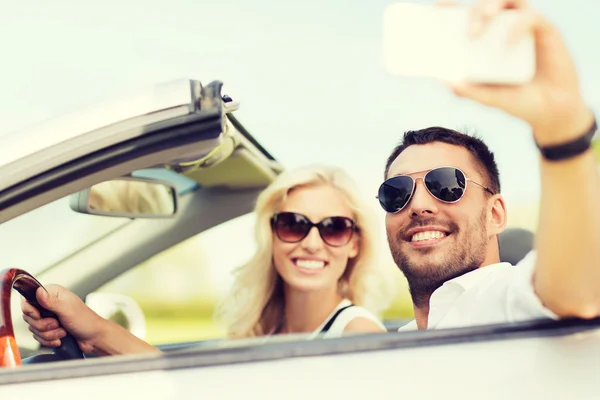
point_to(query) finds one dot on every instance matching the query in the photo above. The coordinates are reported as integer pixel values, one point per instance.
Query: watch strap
(569, 149)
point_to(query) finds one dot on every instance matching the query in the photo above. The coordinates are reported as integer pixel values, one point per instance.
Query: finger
(29, 310)
(480, 13)
(445, 3)
(55, 334)
(484, 10)
(527, 22)
(44, 324)
(47, 343)
(44, 298)
(489, 8)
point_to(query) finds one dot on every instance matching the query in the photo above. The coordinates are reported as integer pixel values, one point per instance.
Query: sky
(309, 75)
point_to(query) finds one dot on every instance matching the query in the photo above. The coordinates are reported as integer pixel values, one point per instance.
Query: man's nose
(422, 202)
(312, 242)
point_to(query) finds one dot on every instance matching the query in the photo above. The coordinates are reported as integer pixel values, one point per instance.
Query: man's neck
(421, 316)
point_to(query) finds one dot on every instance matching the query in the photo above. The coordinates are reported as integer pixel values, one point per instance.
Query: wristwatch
(569, 149)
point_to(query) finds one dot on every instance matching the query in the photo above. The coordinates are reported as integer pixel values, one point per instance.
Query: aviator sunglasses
(447, 184)
(293, 227)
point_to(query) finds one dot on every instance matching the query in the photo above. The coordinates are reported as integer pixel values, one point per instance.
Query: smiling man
(445, 211)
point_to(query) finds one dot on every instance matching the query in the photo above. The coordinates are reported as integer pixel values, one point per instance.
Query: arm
(567, 274)
(363, 325)
(93, 333)
(567, 270)
(117, 340)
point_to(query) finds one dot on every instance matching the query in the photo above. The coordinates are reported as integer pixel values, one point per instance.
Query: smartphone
(433, 41)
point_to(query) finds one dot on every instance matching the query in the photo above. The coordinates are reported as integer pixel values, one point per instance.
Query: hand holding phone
(434, 41)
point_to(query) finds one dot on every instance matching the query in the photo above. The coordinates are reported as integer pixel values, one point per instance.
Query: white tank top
(343, 319)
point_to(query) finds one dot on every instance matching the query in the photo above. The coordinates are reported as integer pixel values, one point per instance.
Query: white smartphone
(433, 41)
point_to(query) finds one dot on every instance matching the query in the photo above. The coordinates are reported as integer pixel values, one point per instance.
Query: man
(445, 211)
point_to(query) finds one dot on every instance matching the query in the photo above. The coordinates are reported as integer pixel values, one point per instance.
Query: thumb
(48, 298)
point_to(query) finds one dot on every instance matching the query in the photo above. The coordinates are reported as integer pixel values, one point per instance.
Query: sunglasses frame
(414, 187)
(353, 228)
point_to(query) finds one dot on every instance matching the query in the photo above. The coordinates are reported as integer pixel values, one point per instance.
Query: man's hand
(551, 103)
(75, 317)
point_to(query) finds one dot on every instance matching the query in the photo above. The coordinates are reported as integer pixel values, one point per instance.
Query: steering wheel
(27, 285)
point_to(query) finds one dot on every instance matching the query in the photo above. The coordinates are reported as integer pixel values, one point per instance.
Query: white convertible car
(193, 166)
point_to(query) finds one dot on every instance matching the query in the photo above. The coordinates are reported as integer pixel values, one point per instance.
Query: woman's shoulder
(354, 318)
(356, 314)
(364, 323)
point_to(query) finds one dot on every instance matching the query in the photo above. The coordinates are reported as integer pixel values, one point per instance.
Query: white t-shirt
(496, 293)
(343, 319)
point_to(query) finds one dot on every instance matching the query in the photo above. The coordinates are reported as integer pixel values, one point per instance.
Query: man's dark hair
(478, 149)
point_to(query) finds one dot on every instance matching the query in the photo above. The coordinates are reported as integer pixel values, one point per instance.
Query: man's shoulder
(495, 273)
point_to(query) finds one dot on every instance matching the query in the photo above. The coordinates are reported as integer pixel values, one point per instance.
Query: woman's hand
(75, 317)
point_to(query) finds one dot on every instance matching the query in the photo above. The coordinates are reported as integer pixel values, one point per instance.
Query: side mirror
(128, 197)
(120, 309)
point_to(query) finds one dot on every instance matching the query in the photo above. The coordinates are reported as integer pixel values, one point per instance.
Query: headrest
(515, 243)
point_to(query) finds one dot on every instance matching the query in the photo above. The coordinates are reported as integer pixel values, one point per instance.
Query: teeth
(310, 264)
(428, 235)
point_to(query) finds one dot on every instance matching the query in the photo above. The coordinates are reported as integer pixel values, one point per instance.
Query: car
(183, 139)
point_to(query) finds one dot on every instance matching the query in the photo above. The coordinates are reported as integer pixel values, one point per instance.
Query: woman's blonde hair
(123, 195)
(255, 305)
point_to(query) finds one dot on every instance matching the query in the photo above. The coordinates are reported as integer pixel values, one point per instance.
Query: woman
(300, 280)
(315, 264)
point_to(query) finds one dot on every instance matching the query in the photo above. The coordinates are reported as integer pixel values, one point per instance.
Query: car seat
(514, 244)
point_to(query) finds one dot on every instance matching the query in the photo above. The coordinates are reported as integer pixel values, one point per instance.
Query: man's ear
(497, 215)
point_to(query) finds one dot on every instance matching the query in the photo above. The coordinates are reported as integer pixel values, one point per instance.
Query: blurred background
(312, 88)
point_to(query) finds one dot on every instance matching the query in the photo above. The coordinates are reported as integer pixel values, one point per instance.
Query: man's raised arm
(567, 274)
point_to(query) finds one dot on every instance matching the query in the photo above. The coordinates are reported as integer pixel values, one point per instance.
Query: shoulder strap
(332, 319)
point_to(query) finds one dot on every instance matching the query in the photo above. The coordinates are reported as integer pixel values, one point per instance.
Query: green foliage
(120, 318)
(179, 330)
(196, 308)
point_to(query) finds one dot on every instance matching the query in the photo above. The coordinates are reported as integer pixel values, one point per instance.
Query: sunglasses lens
(447, 183)
(291, 227)
(336, 231)
(395, 193)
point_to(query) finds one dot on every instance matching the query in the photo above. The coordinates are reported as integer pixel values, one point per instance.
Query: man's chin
(420, 250)
(427, 258)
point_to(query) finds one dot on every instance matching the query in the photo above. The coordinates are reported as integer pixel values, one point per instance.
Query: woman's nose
(313, 242)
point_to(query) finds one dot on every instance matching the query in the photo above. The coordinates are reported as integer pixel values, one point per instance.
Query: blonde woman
(314, 272)
(315, 266)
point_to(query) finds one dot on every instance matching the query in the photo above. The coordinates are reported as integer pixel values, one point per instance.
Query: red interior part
(9, 353)
(27, 285)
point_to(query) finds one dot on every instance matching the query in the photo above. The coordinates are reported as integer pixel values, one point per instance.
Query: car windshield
(43, 237)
